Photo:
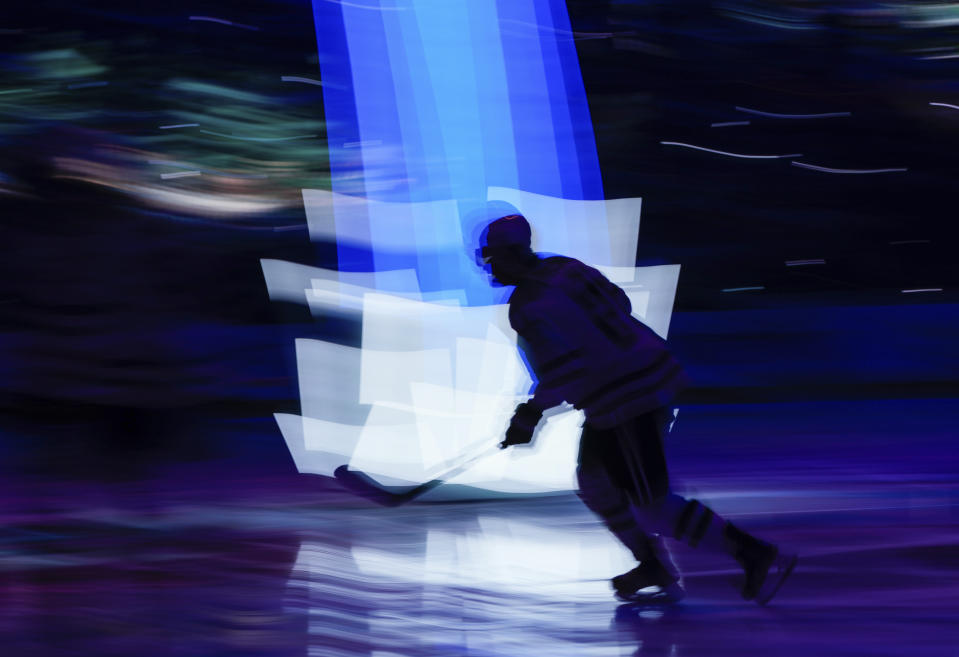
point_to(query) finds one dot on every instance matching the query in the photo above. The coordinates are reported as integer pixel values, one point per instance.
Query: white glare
(432, 378)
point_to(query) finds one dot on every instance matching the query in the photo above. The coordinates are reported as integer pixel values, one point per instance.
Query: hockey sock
(699, 525)
(685, 520)
(659, 553)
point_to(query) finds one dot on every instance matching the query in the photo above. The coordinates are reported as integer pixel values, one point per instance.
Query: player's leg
(764, 566)
(610, 502)
(660, 511)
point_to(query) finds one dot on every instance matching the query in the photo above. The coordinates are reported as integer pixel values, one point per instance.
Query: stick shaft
(365, 486)
(462, 466)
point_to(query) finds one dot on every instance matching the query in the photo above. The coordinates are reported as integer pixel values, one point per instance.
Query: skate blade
(663, 596)
(777, 575)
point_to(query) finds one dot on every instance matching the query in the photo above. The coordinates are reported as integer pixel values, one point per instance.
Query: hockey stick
(363, 485)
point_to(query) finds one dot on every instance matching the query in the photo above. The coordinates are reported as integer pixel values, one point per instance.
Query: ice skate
(779, 570)
(765, 569)
(648, 583)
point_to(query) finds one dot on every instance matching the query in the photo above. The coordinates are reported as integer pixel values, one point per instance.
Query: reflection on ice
(481, 585)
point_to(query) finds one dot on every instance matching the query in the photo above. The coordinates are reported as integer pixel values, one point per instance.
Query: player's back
(578, 335)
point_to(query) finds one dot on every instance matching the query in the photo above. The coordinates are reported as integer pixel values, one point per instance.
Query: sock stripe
(682, 522)
(701, 527)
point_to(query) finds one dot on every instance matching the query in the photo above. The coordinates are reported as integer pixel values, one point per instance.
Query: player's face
(500, 265)
(486, 262)
(504, 271)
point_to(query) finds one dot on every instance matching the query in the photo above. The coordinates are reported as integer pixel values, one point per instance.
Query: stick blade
(364, 486)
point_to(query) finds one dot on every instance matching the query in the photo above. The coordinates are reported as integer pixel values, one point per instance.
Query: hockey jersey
(582, 345)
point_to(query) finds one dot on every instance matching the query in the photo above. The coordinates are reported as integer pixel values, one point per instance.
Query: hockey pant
(623, 478)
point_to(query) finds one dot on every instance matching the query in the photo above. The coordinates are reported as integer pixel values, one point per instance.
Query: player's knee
(659, 515)
(603, 502)
(596, 490)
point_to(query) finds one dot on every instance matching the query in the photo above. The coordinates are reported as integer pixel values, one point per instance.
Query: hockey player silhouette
(583, 346)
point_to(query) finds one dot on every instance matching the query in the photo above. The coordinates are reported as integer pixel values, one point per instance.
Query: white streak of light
(778, 23)
(489, 365)
(619, 275)
(829, 170)
(192, 167)
(451, 422)
(923, 289)
(710, 150)
(774, 115)
(954, 56)
(639, 300)
(328, 376)
(390, 447)
(955, 107)
(199, 202)
(179, 125)
(288, 281)
(325, 296)
(796, 263)
(386, 376)
(294, 78)
(223, 134)
(179, 174)
(743, 289)
(728, 123)
(211, 19)
(402, 435)
(310, 455)
(653, 302)
(107, 176)
(392, 323)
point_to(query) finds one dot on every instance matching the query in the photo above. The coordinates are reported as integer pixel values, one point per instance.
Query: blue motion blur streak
(428, 100)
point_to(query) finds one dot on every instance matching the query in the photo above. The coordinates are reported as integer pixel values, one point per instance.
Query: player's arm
(555, 362)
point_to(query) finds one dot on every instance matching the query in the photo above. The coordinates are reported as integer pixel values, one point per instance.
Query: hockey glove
(522, 426)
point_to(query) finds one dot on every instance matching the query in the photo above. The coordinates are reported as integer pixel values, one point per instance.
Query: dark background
(136, 336)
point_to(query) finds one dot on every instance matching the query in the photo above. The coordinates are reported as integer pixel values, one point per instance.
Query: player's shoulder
(570, 273)
(542, 283)
(554, 267)
(559, 261)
